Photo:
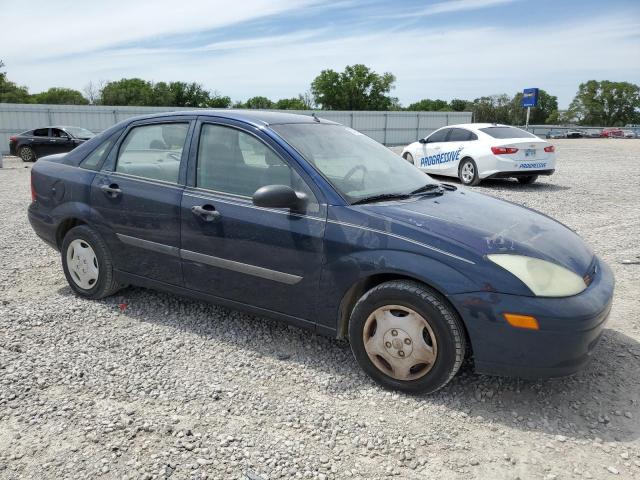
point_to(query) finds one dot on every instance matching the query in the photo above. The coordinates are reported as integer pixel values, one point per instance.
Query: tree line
(356, 88)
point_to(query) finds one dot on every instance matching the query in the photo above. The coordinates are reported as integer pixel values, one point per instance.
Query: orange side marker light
(521, 321)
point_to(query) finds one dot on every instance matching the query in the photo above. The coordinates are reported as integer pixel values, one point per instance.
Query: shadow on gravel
(601, 401)
(508, 183)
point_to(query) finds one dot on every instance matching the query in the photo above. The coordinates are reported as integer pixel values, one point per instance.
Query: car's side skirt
(137, 280)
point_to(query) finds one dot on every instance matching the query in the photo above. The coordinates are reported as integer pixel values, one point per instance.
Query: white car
(477, 151)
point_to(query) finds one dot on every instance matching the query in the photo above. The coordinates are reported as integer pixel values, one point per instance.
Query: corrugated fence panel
(389, 128)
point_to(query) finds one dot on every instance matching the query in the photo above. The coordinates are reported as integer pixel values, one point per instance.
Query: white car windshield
(357, 166)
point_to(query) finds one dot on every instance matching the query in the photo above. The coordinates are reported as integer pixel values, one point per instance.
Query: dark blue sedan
(308, 221)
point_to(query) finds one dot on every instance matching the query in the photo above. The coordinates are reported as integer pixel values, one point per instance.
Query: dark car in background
(44, 141)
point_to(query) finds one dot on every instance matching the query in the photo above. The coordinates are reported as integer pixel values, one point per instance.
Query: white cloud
(454, 6)
(465, 62)
(66, 27)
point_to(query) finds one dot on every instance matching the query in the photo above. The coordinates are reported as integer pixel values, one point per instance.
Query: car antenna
(315, 117)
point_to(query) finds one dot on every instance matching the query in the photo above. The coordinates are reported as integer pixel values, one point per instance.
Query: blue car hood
(487, 225)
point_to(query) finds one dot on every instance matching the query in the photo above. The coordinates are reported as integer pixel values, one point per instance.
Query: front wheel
(406, 337)
(528, 180)
(468, 172)
(87, 263)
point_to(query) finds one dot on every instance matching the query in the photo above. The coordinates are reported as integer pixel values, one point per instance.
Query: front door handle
(112, 190)
(207, 212)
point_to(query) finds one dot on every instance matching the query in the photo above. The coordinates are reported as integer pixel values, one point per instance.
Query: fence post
(417, 125)
(351, 120)
(386, 120)
(447, 117)
(49, 116)
(115, 116)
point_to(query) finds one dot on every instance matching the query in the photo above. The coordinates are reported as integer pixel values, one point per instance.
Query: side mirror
(280, 196)
(423, 140)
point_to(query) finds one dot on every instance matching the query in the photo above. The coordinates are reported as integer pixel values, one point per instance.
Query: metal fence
(389, 128)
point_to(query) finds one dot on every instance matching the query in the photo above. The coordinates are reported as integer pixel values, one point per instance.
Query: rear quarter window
(94, 159)
(506, 132)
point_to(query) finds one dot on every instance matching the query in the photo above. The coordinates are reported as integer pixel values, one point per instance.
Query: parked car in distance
(555, 134)
(477, 151)
(39, 142)
(313, 223)
(612, 133)
(591, 133)
(628, 134)
(574, 134)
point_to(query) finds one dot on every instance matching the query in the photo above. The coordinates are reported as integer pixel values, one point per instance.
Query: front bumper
(569, 329)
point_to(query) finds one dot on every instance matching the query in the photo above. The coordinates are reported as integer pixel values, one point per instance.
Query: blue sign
(529, 97)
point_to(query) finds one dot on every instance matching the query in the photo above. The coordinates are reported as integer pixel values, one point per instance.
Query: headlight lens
(544, 279)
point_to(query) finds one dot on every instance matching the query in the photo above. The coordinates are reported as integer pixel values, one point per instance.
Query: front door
(432, 160)
(60, 141)
(267, 258)
(137, 196)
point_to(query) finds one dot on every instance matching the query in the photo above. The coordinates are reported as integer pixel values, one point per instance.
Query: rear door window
(153, 151)
(506, 132)
(461, 135)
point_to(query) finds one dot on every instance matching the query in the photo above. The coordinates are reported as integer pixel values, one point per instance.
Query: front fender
(341, 277)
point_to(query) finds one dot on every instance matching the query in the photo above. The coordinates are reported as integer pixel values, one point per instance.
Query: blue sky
(241, 48)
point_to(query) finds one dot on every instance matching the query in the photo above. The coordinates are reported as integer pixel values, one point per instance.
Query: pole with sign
(529, 99)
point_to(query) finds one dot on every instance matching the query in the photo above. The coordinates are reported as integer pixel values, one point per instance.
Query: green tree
(606, 103)
(428, 105)
(493, 109)
(458, 105)
(60, 96)
(128, 91)
(189, 94)
(290, 104)
(544, 112)
(218, 101)
(10, 92)
(357, 88)
(258, 102)
(162, 95)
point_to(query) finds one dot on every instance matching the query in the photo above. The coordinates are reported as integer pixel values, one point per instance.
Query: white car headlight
(544, 279)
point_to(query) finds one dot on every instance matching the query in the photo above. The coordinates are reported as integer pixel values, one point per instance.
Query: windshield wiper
(381, 197)
(429, 187)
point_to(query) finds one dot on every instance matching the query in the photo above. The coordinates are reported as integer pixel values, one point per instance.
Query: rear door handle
(112, 190)
(206, 212)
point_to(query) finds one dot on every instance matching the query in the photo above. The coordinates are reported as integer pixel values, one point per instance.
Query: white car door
(460, 141)
(429, 156)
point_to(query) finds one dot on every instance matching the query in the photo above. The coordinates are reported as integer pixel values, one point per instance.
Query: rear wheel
(468, 172)
(528, 180)
(409, 158)
(87, 263)
(406, 337)
(27, 154)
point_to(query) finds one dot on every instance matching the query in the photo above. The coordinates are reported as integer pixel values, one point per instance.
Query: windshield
(357, 166)
(506, 132)
(79, 132)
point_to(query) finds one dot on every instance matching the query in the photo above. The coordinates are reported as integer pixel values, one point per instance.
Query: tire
(85, 281)
(27, 154)
(409, 158)
(438, 328)
(528, 180)
(468, 172)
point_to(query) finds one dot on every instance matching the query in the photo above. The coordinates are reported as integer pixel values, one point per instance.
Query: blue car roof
(258, 118)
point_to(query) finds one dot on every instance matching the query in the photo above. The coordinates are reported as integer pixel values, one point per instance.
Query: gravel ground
(151, 385)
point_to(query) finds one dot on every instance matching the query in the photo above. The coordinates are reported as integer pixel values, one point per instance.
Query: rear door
(137, 195)
(39, 142)
(264, 257)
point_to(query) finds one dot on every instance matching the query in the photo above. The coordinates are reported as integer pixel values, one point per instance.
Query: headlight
(544, 279)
